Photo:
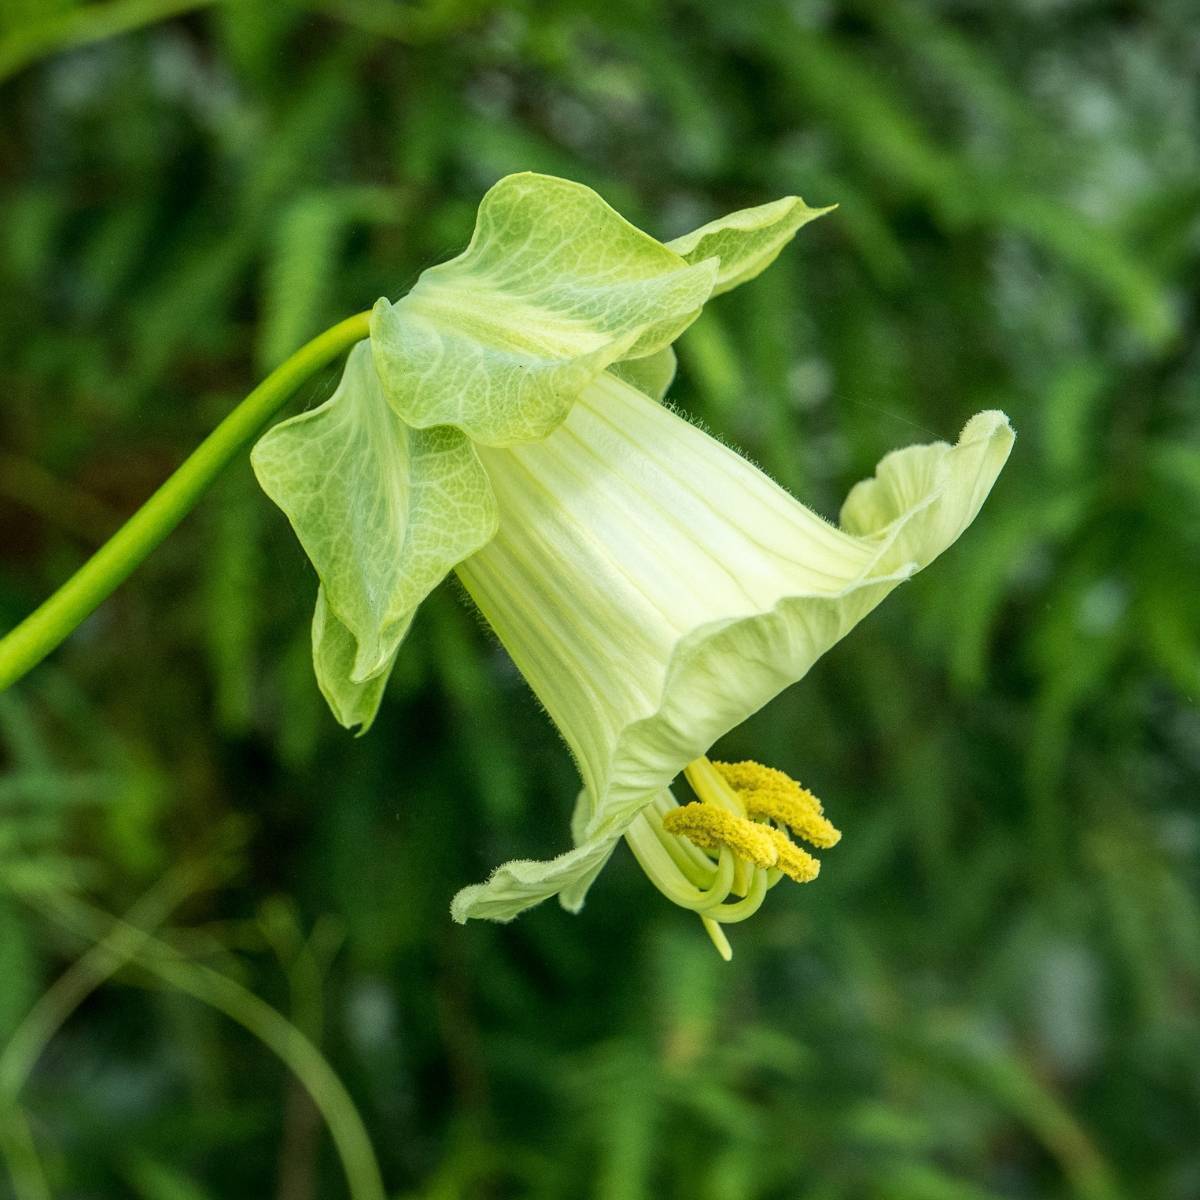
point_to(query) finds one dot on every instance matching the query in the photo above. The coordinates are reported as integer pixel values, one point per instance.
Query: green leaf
(748, 241)
(554, 287)
(383, 512)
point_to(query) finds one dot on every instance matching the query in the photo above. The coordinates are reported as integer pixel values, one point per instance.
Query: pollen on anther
(711, 827)
(794, 862)
(770, 794)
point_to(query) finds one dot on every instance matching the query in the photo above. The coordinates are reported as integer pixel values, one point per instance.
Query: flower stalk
(53, 622)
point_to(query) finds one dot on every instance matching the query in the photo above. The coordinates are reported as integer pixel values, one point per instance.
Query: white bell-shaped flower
(653, 586)
(655, 589)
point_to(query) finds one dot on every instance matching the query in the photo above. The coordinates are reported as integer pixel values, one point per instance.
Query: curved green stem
(25, 646)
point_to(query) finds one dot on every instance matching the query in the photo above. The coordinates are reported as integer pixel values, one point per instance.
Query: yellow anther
(711, 827)
(795, 863)
(769, 794)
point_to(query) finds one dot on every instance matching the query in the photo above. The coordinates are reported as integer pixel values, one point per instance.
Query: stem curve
(49, 625)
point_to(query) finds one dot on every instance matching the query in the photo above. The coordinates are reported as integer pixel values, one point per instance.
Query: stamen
(710, 786)
(688, 857)
(769, 794)
(739, 910)
(651, 852)
(731, 842)
(794, 862)
(712, 827)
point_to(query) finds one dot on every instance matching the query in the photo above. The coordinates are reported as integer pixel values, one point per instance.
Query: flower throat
(732, 841)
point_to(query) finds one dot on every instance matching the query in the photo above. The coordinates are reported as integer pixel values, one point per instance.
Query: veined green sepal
(554, 288)
(748, 241)
(384, 512)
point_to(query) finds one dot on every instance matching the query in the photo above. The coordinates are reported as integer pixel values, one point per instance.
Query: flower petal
(521, 884)
(960, 477)
(748, 241)
(656, 589)
(554, 287)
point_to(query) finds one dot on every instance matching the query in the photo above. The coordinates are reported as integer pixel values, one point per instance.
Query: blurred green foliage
(994, 988)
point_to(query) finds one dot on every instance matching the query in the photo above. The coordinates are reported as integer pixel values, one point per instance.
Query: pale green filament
(651, 849)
